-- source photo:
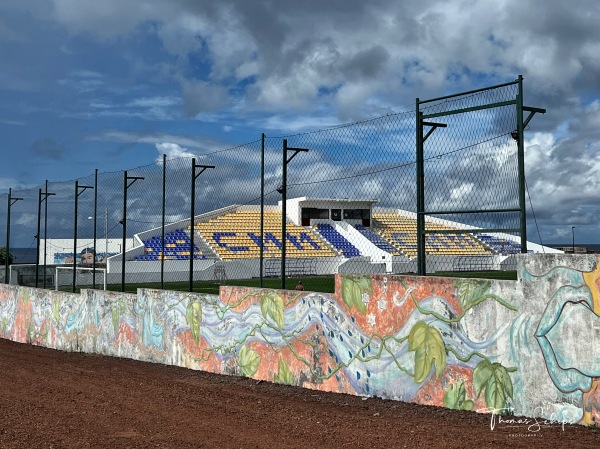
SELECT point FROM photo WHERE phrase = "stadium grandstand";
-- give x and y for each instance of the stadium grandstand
(323, 236)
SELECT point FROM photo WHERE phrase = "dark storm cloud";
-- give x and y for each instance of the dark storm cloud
(350, 59)
(48, 148)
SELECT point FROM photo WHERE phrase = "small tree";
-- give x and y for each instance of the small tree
(3, 256)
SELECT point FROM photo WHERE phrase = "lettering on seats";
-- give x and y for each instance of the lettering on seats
(304, 237)
(269, 237)
(294, 240)
(217, 236)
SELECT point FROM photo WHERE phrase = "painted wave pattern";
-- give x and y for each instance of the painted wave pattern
(373, 364)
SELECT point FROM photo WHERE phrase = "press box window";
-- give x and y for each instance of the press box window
(312, 213)
(358, 214)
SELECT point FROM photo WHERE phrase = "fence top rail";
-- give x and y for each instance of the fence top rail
(483, 89)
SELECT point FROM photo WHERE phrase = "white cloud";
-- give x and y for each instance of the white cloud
(172, 150)
(290, 67)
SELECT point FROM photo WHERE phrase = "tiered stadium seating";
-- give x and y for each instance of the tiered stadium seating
(177, 247)
(338, 241)
(377, 240)
(499, 245)
(402, 232)
(237, 236)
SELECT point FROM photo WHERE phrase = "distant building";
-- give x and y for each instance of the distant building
(578, 249)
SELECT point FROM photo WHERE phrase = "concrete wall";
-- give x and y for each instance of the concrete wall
(530, 344)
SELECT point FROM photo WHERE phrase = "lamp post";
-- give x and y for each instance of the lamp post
(127, 182)
(79, 189)
(46, 195)
(573, 233)
(11, 200)
(195, 175)
(283, 191)
(42, 198)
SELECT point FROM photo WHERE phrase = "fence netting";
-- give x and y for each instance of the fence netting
(350, 207)
(471, 167)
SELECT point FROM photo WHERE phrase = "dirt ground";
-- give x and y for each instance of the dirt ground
(53, 399)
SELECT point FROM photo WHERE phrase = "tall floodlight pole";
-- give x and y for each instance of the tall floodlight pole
(45, 199)
(195, 175)
(11, 200)
(283, 191)
(126, 185)
(573, 233)
(78, 191)
(42, 197)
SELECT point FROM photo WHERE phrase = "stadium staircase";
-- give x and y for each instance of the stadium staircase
(337, 240)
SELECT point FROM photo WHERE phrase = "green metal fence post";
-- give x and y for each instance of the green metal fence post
(37, 238)
(192, 216)
(77, 193)
(283, 212)
(521, 162)
(421, 261)
(124, 223)
(262, 210)
(192, 225)
(95, 226)
(11, 200)
(162, 226)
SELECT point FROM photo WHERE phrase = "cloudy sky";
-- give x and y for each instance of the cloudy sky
(113, 84)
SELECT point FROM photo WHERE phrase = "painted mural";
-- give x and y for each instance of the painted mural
(527, 347)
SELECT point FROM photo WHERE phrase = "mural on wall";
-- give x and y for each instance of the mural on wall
(568, 334)
(460, 343)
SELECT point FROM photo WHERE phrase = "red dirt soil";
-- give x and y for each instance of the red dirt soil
(54, 399)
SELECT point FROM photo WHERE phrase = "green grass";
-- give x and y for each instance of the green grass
(324, 284)
(498, 275)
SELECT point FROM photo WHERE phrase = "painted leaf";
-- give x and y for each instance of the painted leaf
(455, 398)
(284, 375)
(499, 388)
(481, 375)
(56, 310)
(248, 361)
(429, 349)
(271, 305)
(497, 383)
(353, 288)
(193, 317)
(116, 318)
(472, 292)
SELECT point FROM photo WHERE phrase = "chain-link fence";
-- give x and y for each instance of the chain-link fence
(432, 189)
(468, 146)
